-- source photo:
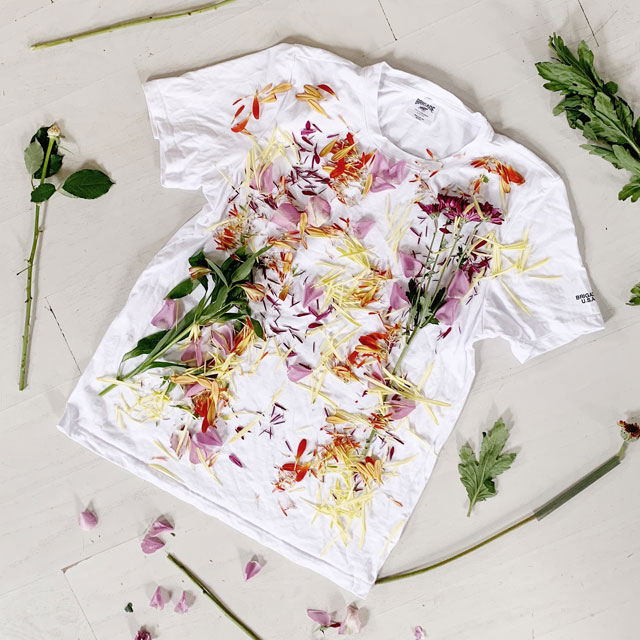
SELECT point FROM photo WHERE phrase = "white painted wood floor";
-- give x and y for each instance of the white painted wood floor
(574, 576)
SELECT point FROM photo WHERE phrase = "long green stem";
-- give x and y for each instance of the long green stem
(538, 514)
(30, 263)
(131, 23)
(212, 596)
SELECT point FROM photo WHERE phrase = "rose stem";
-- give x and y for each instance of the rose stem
(540, 513)
(30, 263)
(207, 592)
(130, 23)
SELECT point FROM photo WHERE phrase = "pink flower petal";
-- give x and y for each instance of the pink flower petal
(397, 298)
(194, 390)
(143, 634)
(297, 372)
(287, 217)
(378, 184)
(252, 569)
(351, 623)
(235, 460)
(319, 210)
(362, 227)
(224, 336)
(151, 544)
(193, 352)
(87, 520)
(400, 408)
(419, 634)
(319, 616)
(182, 606)
(158, 599)
(159, 526)
(263, 180)
(446, 314)
(167, 316)
(205, 442)
(459, 285)
(410, 266)
(311, 294)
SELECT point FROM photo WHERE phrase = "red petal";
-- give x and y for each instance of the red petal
(301, 473)
(256, 107)
(328, 89)
(240, 126)
(289, 466)
(238, 112)
(301, 448)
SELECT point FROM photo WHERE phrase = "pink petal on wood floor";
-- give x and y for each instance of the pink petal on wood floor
(321, 617)
(158, 599)
(351, 623)
(419, 634)
(182, 606)
(252, 569)
(151, 544)
(159, 526)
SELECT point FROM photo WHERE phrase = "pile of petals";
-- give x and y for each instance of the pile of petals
(161, 597)
(349, 625)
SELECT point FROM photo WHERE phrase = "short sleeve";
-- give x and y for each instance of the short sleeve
(538, 296)
(201, 119)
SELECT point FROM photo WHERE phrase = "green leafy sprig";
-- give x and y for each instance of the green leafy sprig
(223, 300)
(593, 106)
(43, 160)
(478, 475)
(635, 296)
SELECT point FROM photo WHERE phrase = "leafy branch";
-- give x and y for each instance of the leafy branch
(593, 106)
(225, 299)
(635, 296)
(43, 160)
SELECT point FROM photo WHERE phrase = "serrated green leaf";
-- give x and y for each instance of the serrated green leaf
(182, 289)
(33, 157)
(566, 78)
(478, 476)
(625, 159)
(88, 184)
(603, 152)
(630, 190)
(42, 192)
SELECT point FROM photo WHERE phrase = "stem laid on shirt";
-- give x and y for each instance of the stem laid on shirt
(212, 596)
(629, 432)
(131, 23)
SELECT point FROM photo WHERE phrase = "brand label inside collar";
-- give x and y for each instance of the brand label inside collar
(423, 110)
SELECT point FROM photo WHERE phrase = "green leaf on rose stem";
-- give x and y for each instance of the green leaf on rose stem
(88, 184)
(478, 476)
(55, 159)
(182, 289)
(42, 192)
(145, 345)
(33, 157)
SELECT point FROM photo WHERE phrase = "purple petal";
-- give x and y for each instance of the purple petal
(252, 569)
(318, 210)
(410, 266)
(224, 336)
(362, 227)
(159, 526)
(321, 617)
(398, 298)
(459, 285)
(182, 606)
(286, 217)
(143, 634)
(446, 314)
(419, 634)
(151, 544)
(297, 372)
(378, 184)
(205, 442)
(158, 599)
(311, 293)
(351, 623)
(87, 520)
(235, 460)
(167, 316)
(400, 408)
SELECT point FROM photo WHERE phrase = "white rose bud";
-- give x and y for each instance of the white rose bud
(54, 131)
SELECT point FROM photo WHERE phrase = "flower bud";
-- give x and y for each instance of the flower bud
(54, 131)
(629, 430)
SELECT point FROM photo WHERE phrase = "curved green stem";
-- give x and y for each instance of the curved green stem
(212, 596)
(131, 23)
(30, 263)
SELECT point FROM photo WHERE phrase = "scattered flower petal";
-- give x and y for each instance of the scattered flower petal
(182, 606)
(193, 390)
(252, 569)
(446, 314)
(286, 217)
(351, 623)
(319, 616)
(400, 407)
(311, 294)
(459, 285)
(362, 227)
(158, 599)
(159, 526)
(318, 210)
(398, 298)
(143, 634)
(167, 316)
(419, 634)
(151, 544)
(235, 460)
(410, 266)
(205, 442)
(387, 174)
(297, 372)
(87, 520)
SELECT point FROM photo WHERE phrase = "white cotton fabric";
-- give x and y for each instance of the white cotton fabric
(400, 115)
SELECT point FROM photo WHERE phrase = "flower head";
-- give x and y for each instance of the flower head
(629, 430)
(54, 131)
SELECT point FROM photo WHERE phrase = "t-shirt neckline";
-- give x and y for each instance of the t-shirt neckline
(375, 78)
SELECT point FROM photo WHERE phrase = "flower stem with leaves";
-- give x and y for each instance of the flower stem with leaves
(42, 160)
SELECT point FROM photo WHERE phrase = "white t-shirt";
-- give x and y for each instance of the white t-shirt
(387, 168)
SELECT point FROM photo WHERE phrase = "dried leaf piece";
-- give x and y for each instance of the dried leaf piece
(478, 476)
